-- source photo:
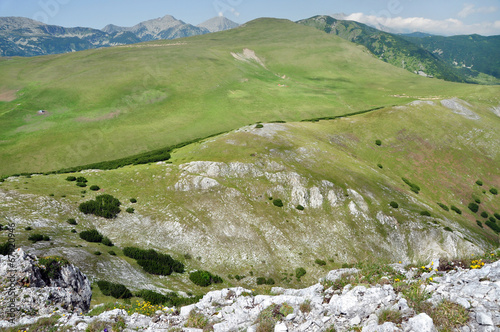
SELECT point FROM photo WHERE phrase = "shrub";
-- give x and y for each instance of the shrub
(479, 223)
(270, 281)
(473, 207)
(425, 213)
(97, 253)
(154, 262)
(457, 210)
(493, 226)
(91, 236)
(133, 200)
(413, 187)
(497, 215)
(152, 297)
(81, 179)
(71, 178)
(118, 291)
(197, 320)
(477, 200)
(299, 207)
(394, 204)
(28, 228)
(448, 229)
(305, 306)
(378, 142)
(300, 272)
(484, 214)
(204, 278)
(130, 210)
(107, 242)
(444, 207)
(81, 184)
(112, 253)
(51, 266)
(105, 206)
(492, 219)
(261, 281)
(494, 191)
(278, 202)
(71, 221)
(94, 187)
(380, 166)
(479, 182)
(38, 237)
(268, 317)
(73, 231)
(6, 249)
(320, 262)
(259, 125)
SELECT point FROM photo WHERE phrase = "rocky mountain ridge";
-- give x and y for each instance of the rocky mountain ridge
(21, 36)
(324, 306)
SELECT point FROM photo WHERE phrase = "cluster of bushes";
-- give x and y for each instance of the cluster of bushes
(154, 262)
(38, 237)
(105, 206)
(204, 278)
(493, 226)
(80, 181)
(264, 281)
(118, 291)
(413, 187)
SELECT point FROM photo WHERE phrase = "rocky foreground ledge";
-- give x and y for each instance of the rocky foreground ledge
(325, 306)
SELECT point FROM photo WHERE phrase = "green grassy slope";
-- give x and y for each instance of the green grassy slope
(110, 103)
(212, 201)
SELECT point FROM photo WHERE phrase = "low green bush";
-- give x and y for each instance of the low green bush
(261, 281)
(425, 213)
(444, 207)
(299, 207)
(81, 184)
(278, 203)
(320, 262)
(107, 242)
(73, 231)
(479, 182)
(92, 235)
(28, 228)
(378, 142)
(448, 229)
(71, 178)
(413, 187)
(473, 207)
(204, 278)
(94, 187)
(380, 166)
(51, 266)
(457, 210)
(497, 215)
(394, 204)
(154, 262)
(118, 291)
(259, 125)
(6, 248)
(494, 191)
(112, 253)
(81, 179)
(38, 237)
(133, 200)
(484, 214)
(492, 219)
(97, 253)
(493, 226)
(479, 223)
(300, 272)
(130, 210)
(71, 221)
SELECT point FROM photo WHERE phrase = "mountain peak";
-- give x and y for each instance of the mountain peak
(218, 23)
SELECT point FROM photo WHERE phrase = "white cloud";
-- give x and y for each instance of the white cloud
(449, 26)
(470, 9)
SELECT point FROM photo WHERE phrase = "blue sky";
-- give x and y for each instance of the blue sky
(446, 17)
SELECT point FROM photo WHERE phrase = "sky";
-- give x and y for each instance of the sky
(442, 17)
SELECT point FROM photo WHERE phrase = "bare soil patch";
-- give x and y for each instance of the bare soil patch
(108, 116)
(8, 95)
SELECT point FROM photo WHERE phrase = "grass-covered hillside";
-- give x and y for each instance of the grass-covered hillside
(110, 103)
(395, 184)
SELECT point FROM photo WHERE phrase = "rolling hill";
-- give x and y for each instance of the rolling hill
(75, 109)
(421, 55)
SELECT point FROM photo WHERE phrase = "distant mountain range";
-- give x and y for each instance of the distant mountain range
(21, 36)
(470, 59)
